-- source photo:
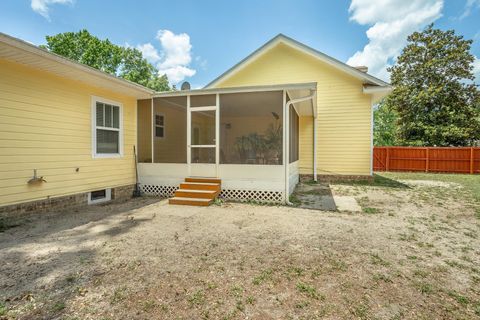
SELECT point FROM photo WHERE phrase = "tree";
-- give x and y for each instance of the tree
(127, 63)
(385, 129)
(434, 94)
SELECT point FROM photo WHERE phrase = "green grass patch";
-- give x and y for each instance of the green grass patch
(370, 210)
(460, 299)
(3, 309)
(309, 291)
(425, 288)
(197, 298)
(265, 275)
(59, 306)
(379, 180)
(377, 260)
(295, 200)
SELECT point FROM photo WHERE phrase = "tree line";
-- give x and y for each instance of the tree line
(434, 101)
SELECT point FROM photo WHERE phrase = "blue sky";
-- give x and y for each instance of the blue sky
(198, 40)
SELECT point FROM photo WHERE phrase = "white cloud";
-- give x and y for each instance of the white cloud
(469, 6)
(476, 69)
(174, 57)
(177, 55)
(149, 52)
(42, 6)
(391, 22)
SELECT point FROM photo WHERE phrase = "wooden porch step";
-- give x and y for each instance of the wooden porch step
(203, 180)
(192, 193)
(190, 201)
(200, 186)
(197, 191)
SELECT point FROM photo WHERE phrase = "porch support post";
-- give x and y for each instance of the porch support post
(286, 136)
(152, 127)
(286, 108)
(189, 137)
(217, 134)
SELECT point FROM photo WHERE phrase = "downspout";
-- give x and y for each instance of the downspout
(287, 141)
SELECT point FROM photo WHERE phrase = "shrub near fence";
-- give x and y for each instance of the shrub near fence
(427, 159)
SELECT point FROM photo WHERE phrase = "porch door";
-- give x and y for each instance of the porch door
(203, 136)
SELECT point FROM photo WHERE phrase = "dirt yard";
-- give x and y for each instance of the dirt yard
(413, 253)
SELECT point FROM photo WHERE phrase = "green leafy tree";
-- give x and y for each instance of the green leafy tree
(127, 63)
(434, 94)
(385, 125)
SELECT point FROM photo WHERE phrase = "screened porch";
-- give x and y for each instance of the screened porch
(235, 134)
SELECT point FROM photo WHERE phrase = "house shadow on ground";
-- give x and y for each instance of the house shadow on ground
(35, 260)
(319, 196)
(316, 196)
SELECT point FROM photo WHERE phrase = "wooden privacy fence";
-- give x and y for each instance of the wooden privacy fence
(427, 159)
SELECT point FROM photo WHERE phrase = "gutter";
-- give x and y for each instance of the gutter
(287, 140)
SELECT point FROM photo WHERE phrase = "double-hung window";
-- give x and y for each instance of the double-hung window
(107, 128)
(160, 126)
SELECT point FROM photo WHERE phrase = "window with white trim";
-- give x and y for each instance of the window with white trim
(107, 129)
(160, 126)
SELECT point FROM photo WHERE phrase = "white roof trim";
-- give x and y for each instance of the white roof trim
(376, 89)
(277, 87)
(304, 48)
(32, 49)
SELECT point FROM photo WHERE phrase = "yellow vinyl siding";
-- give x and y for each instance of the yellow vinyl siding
(45, 124)
(344, 112)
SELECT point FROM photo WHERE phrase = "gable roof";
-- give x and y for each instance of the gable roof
(19, 51)
(280, 38)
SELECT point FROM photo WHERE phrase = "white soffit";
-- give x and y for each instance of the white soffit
(24, 53)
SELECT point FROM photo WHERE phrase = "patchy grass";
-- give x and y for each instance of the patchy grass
(370, 210)
(295, 200)
(413, 255)
(309, 291)
(264, 276)
(379, 180)
(3, 309)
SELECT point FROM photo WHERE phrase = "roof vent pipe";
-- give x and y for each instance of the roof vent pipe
(363, 69)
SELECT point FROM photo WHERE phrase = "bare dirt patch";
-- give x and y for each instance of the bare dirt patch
(413, 255)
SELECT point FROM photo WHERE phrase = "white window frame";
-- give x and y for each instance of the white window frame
(155, 125)
(96, 155)
(108, 197)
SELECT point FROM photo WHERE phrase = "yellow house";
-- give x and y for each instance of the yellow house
(284, 111)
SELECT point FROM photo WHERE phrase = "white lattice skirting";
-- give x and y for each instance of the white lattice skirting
(252, 195)
(154, 190)
(227, 194)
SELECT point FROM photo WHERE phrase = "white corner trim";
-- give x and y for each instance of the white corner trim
(95, 155)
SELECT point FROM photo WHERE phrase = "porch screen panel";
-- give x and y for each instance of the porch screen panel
(144, 130)
(251, 128)
(203, 128)
(293, 134)
(170, 128)
(203, 100)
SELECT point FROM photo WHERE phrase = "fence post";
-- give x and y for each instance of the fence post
(427, 160)
(471, 160)
(387, 159)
